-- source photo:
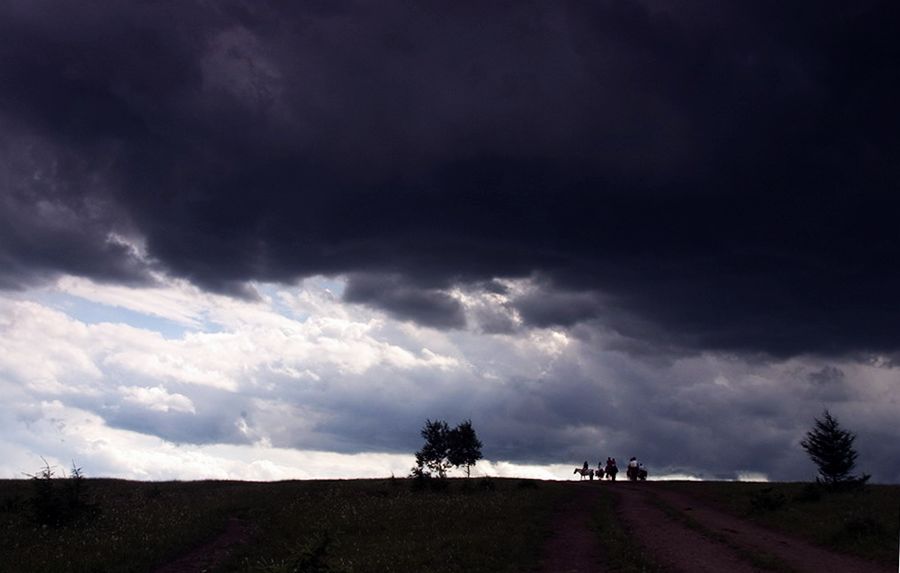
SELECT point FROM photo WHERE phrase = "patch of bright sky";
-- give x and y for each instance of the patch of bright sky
(91, 312)
(172, 310)
(333, 285)
(272, 294)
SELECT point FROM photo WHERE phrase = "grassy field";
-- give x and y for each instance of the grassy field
(388, 525)
(864, 523)
(355, 525)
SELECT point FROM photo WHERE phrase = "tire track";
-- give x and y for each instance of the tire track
(674, 545)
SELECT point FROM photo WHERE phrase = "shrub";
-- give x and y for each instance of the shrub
(811, 492)
(58, 501)
(860, 527)
(767, 499)
(487, 484)
(424, 481)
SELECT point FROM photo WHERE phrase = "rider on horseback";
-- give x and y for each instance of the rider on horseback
(632, 471)
(611, 469)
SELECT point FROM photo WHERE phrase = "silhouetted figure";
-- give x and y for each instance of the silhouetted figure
(632, 471)
(611, 469)
(585, 471)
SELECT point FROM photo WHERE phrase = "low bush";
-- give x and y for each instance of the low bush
(811, 492)
(768, 499)
(487, 484)
(56, 501)
(425, 482)
(858, 528)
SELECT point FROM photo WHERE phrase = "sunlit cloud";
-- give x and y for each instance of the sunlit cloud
(299, 383)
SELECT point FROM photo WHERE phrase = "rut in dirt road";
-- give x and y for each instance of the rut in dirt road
(658, 520)
(212, 554)
(673, 545)
(574, 547)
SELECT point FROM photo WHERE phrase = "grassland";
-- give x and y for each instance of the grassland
(388, 525)
(356, 525)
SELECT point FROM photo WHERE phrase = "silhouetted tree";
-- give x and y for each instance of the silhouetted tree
(831, 448)
(58, 500)
(433, 457)
(445, 448)
(465, 447)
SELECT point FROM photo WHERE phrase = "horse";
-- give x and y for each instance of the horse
(611, 472)
(585, 473)
(637, 473)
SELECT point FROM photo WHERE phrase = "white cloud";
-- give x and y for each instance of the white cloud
(300, 384)
(45, 350)
(288, 372)
(178, 301)
(156, 398)
(62, 434)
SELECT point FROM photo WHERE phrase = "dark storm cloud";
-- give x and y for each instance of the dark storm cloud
(827, 375)
(55, 218)
(428, 307)
(719, 176)
(549, 308)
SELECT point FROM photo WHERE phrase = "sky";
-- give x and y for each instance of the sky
(268, 240)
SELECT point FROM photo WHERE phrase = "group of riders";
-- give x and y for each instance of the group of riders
(635, 470)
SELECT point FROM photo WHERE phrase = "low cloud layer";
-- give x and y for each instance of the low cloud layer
(301, 371)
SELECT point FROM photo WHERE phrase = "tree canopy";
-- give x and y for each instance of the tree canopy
(831, 448)
(465, 447)
(445, 448)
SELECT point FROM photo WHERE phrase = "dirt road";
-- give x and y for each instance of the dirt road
(682, 534)
(689, 535)
(209, 556)
(573, 547)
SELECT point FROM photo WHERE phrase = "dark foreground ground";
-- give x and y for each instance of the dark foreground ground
(466, 525)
